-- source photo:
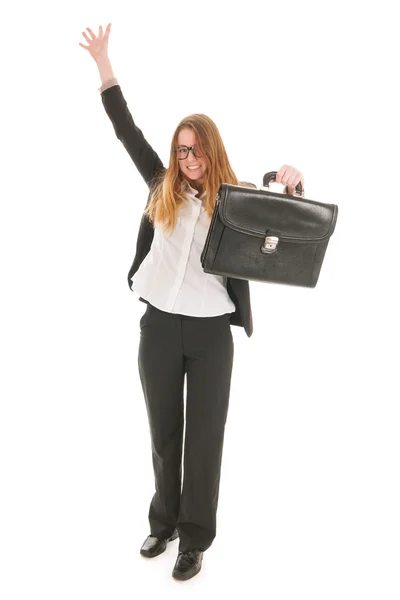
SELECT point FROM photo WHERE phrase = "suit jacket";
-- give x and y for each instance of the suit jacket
(150, 167)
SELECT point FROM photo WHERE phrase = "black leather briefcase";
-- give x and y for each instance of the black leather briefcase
(260, 235)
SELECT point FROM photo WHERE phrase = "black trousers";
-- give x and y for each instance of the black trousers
(172, 346)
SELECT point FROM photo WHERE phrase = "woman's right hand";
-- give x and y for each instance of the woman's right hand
(98, 46)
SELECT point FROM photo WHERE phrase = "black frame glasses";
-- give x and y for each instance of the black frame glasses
(196, 153)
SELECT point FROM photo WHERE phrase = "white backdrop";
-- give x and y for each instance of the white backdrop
(309, 490)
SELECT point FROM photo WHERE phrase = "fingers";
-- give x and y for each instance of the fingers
(86, 37)
(93, 37)
(91, 33)
(280, 174)
(289, 176)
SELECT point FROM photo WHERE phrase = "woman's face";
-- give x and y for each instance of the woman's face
(187, 137)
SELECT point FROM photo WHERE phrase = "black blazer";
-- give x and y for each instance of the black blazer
(150, 166)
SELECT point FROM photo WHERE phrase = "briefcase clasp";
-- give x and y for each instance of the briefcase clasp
(270, 244)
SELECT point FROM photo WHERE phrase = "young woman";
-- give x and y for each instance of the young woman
(186, 328)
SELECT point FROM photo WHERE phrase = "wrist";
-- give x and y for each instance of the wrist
(102, 59)
(105, 69)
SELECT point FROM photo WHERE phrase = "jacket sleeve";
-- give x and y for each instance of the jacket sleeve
(147, 161)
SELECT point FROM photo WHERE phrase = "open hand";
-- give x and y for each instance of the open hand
(98, 45)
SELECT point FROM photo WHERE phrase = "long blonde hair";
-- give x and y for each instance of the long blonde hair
(167, 193)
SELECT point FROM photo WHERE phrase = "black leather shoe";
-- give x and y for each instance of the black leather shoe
(188, 564)
(153, 546)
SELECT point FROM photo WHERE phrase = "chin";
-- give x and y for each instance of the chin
(195, 176)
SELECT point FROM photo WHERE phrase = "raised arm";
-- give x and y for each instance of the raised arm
(145, 158)
(147, 161)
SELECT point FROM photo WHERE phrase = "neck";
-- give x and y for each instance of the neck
(197, 185)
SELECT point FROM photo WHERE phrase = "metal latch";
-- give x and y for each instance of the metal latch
(270, 244)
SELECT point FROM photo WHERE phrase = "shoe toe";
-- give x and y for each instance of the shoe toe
(153, 546)
(188, 564)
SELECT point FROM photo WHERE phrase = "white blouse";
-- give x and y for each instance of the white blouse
(171, 277)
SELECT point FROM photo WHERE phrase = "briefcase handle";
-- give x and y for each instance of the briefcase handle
(270, 176)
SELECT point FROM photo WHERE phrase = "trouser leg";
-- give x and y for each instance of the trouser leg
(209, 350)
(161, 369)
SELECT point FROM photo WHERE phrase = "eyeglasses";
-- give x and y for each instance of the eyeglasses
(182, 152)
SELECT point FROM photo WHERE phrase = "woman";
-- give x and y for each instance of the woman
(186, 328)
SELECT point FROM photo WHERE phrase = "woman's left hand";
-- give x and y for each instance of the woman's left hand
(290, 177)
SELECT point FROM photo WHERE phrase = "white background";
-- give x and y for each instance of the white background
(309, 490)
